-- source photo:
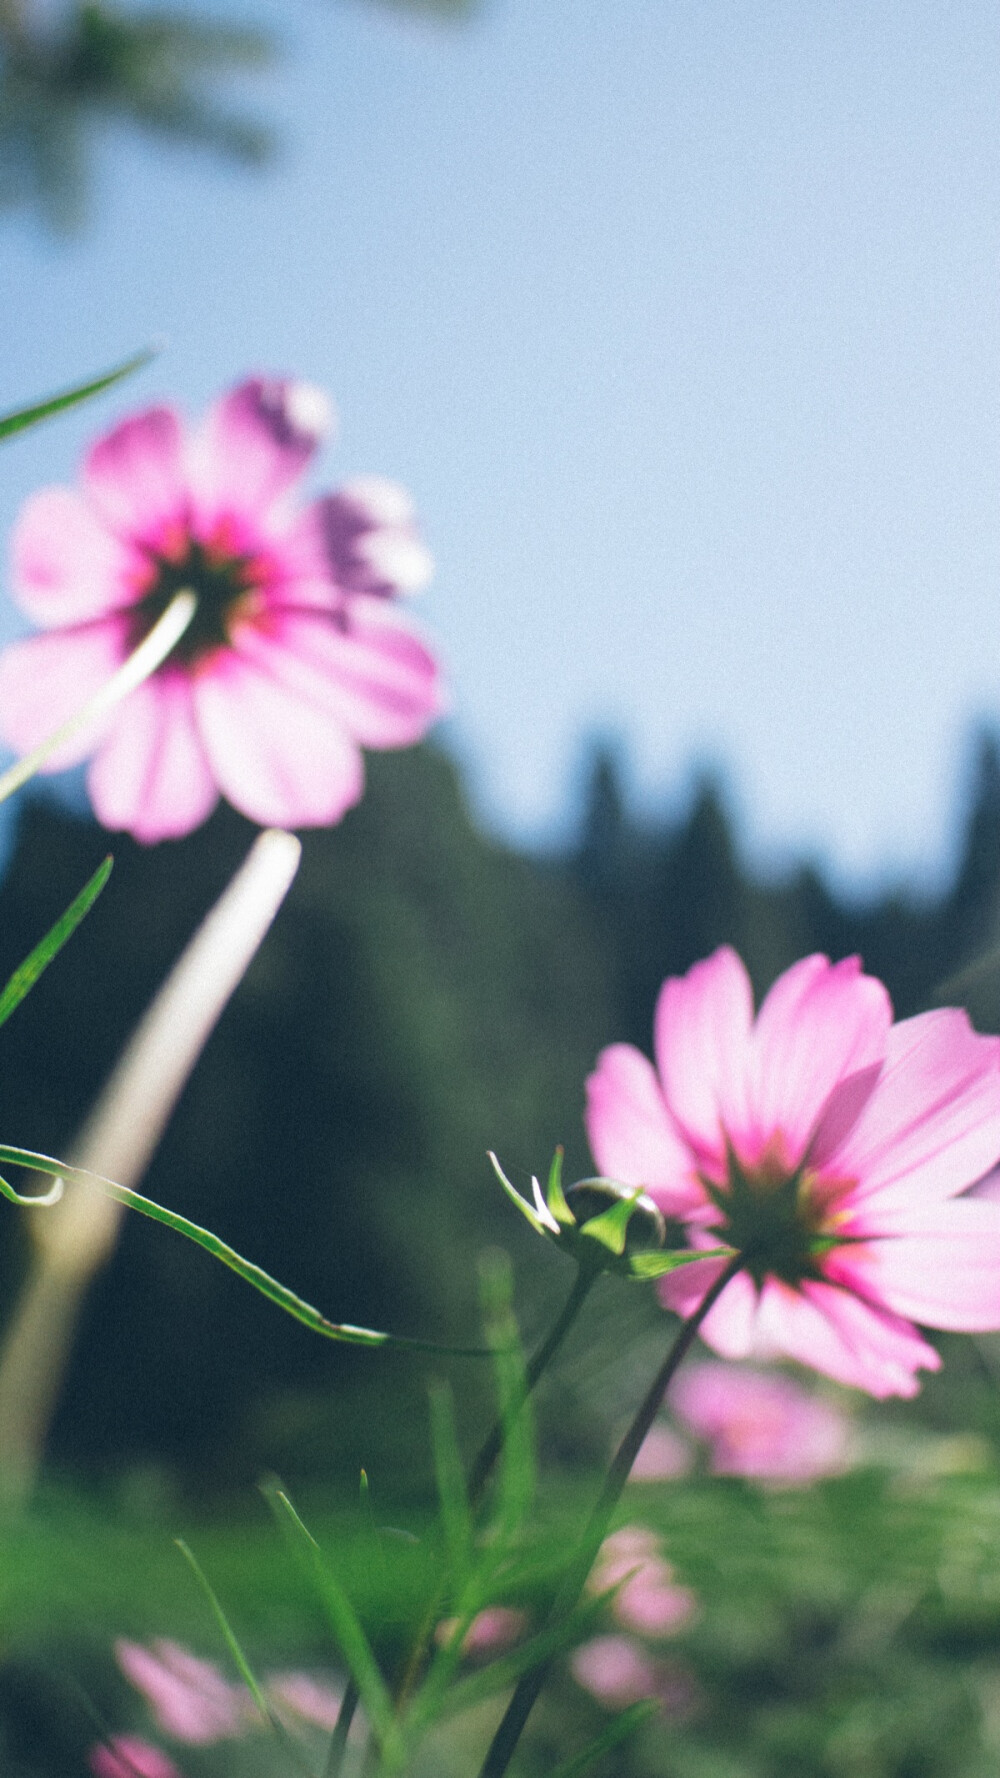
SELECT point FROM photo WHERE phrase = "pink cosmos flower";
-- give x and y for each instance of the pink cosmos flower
(648, 1599)
(297, 656)
(126, 1756)
(758, 1424)
(303, 1695)
(491, 1631)
(615, 1671)
(189, 1697)
(830, 1147)
(662, 1456)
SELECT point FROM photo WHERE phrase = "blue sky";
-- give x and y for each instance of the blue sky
(679, 317)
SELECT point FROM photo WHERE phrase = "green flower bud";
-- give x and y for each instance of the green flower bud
(606, 1226)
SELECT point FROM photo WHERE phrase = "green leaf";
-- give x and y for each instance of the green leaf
(611, 1226)
(617, 1732)
(245, 1670)
(354, 1644)
(456, 1514)
(24, 417)
(555, 1196)
(27, 973)
(515, 1197)
(244, 1268)
(516, 1480)
(656, 1265)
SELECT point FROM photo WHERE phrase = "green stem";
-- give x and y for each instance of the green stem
(150, 654)
(338, 1746)
(508, 1734)
(220, 1250)
(484, 1463)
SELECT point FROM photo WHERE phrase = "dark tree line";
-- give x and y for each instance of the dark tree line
(426, 993)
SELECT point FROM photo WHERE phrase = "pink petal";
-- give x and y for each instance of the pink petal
(126, 1756)
(836, 1333)
(46, 679)
(939, 1266)
(630, 1132)
(819, 1023)
(151, 776)
(702, 1031)
(67, 565)
(729, 1325)
(662, 1456)
(370, 538)
(932, 1125)
(255, 442)
(134, 476)
(277, 757)
(370, 671)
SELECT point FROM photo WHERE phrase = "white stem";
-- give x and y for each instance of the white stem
(150, 654)
(74, 1239)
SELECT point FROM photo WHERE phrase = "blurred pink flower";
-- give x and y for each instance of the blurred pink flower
(828, 1145)
(615, 1671)
(297, 656)
(759, 1424)
(491, 1631)
(662, 1456)
(648, 1599)
(127, 1757)
(189, 1697)
(303, 1695)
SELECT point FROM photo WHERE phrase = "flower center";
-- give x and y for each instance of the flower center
(220, 582)
(779, 1221)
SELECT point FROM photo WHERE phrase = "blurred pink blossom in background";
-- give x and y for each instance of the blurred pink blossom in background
(615, 1670)
(662, 1456)
(831, 1147)
(189, 1697)
(297, 656)
(760, 1424)
(305, 1696)
(491, 1631)
(648, 1599)
(127, 1757)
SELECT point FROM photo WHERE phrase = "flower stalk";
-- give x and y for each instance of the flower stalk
(140, 665)
(526, 1692)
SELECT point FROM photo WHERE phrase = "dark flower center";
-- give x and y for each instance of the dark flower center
(220, 584)
(779, 1221)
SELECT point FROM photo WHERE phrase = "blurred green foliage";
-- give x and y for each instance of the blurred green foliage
(851, 1630)
(66, 74)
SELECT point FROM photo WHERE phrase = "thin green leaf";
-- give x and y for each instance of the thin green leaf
(456, 1514)
(243, 1665)
(656, 1265)
(24, 417)
(220, 1250)
(611, 1226)
(516, 1481)
(354, 1644)
(555, 1196)
(27, 973)
(616, 1732)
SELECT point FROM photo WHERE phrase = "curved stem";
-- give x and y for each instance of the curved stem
(150, 654)
(244, 1268)
(526, 1692)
